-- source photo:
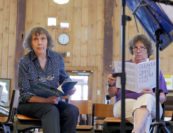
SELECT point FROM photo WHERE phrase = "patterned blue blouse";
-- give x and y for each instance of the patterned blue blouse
(30, 72)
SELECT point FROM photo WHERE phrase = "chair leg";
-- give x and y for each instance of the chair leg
(14, 128)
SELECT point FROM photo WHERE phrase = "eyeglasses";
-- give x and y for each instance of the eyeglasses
(139, 48)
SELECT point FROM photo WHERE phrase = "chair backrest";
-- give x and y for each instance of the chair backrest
(168, 107)
(84, 106)
(102, 110)
(168, 103)
(13, 105)
(1, 88)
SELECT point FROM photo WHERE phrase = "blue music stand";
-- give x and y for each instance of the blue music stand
(160, 29)
(152, 17)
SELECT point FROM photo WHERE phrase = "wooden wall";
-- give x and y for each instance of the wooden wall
(8, 9)
(86, 18)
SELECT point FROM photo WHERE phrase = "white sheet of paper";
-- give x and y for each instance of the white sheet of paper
(138, 76)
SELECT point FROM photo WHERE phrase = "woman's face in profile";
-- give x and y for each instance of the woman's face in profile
(39, 44)
(140, 52)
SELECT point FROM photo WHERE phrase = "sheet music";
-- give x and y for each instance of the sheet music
(138, 76)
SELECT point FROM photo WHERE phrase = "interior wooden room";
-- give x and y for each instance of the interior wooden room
(87, 33)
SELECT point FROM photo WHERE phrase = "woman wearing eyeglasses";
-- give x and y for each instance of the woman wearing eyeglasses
(140, 107)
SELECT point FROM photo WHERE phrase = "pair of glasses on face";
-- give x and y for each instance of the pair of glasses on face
(139, 48)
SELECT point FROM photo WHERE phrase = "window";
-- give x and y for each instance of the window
(81, 88)
(4, 91)
(169, 81)
(51, 21)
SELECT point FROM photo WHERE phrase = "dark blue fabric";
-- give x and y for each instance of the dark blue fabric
(57, 118)
(30, 72)
(153, 18)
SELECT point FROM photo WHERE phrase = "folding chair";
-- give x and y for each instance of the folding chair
(104, 121)
(85, 108)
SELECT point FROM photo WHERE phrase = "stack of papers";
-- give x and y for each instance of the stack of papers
(138, 76)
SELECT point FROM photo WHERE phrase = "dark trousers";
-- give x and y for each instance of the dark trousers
(60, 118)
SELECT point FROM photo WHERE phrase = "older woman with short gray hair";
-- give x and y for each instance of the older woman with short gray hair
(140, 106)
(44, 66)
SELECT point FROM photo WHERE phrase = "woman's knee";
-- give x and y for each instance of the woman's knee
(50, 110)
(72, 110)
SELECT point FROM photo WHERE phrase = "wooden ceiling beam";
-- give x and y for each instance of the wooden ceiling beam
(108, 36)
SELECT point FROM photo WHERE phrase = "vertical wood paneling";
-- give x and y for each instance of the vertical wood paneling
(12, 40)
(84, 37)
(38, 13)
(8, 13)
(5, 42)
(166, 60)
(1, 33)
(91, 44)
(116, 31)
(92, 33)
(77, 32)
(29, 12)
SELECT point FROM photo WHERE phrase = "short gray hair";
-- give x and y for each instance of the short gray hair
(34, 31)
(142, 38)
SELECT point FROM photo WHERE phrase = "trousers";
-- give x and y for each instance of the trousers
(55, 118)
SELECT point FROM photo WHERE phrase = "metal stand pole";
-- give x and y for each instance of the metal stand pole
(124, 18)
(123, 77)
(158, 126)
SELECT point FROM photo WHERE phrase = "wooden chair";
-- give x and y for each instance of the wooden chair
(100, 112)
(85, 108)
(168, 113)
(168, 106)
(23, 123)
(103, 119)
